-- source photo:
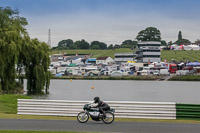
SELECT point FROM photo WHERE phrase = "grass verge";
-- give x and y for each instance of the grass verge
(14, 131)
(41, 117)
(15, 116)
(186, 78)
(8, 103)
(109, 78)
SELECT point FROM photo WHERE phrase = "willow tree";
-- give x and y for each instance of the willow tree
(35, 59)
(17, 49)
(12, 32)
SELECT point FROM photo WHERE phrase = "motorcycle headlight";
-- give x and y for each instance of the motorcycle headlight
(86, 107)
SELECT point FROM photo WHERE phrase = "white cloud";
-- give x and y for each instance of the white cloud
(109, 28)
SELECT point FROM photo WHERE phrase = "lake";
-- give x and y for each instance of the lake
(125, 90)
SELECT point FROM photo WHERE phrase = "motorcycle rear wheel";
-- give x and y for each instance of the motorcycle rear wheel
(82, 117)
(109, 118)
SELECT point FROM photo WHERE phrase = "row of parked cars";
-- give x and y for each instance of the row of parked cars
(186, 72)
(153, 71)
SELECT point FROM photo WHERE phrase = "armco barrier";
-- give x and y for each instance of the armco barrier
(123, 109)
(188, 111)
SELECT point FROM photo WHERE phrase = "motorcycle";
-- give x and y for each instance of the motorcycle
(95, 114)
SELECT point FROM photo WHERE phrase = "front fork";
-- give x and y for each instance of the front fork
(86, 112)
(83, 116)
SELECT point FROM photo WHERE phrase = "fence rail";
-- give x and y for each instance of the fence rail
(188, 111)
(123, 109)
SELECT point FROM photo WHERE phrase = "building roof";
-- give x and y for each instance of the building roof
(91, 59)
(102, 58)
(149, 42)
(186, 43)
(121, 54)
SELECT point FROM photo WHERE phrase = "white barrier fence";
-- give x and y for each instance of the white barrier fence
(123, 109)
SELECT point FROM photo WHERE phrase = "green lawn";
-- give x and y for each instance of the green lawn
(186, 78)
(168, 55)
(8, 103)
(180, 55)
(13, 131)
(95, 53)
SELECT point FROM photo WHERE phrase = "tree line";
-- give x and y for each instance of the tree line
(18, 52)
(148, 34)
(83, 44)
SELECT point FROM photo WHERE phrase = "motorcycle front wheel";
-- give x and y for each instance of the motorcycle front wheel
(82, 117)
(108, 118)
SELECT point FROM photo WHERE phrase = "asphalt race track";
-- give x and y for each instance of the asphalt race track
(92, 126)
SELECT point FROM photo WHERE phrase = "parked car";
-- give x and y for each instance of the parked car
(116, 74)
(156, 72)
(182, 72)
(164, 72)
(192, 71)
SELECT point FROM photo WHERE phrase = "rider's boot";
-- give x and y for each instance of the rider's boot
(104, 114)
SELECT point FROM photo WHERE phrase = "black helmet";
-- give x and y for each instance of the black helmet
(96, 99)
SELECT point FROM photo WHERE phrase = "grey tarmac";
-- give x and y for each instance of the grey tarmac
(92, 126)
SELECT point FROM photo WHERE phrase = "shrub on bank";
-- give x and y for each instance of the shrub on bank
(16, 89)
(109, 77)
(186, 78)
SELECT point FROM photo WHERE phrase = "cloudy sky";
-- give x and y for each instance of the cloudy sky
(109, 21)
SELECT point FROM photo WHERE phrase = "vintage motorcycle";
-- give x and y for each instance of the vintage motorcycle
(94, 113)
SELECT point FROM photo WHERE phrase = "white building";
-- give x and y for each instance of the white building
(148, 51)
(104, 60)
(123, 57)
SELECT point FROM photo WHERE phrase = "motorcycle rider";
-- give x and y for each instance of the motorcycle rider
(101, 105)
